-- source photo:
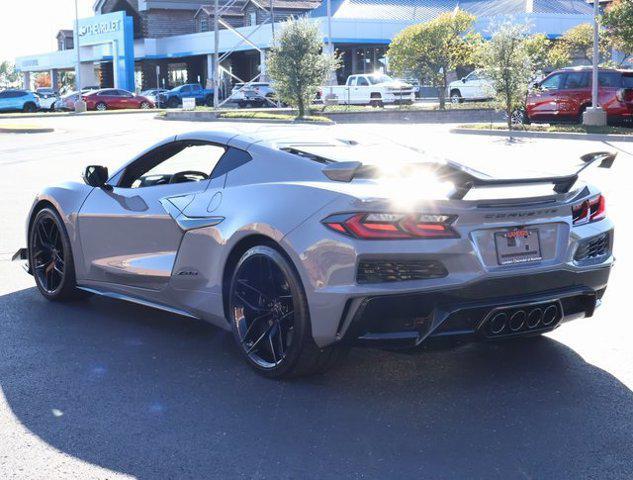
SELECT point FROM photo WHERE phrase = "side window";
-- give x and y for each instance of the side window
(472, 77)
(195, 88)
(177, 162)
(185, 89)
(4, 94)
(553, 82)
(362, 82)
(609, 79)
(232, 159)
(575, 80)
(105, 93)
(627, 81)
(351, 82)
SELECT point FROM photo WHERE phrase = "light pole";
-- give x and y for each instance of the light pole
(78, 69)
(595, 116)
(80, 105)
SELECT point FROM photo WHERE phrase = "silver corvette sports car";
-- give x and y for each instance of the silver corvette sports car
(303, 243)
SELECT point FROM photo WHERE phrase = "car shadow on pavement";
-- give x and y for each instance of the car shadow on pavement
(157, 396)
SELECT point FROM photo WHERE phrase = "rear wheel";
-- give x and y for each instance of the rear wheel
(376, 101)
(270, 320)
(29, 107)
(50, 257)
(173, 103)
(102, 107)
(209, 101)
(145, 106)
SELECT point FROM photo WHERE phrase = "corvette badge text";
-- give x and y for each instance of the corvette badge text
(100, 28)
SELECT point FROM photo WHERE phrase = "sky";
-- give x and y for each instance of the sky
(29, 27)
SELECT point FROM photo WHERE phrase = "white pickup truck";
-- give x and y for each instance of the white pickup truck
(371, 89)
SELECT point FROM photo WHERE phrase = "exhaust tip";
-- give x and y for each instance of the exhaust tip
(517, 320)
(498, 323)
(550, 315)
(535, 318)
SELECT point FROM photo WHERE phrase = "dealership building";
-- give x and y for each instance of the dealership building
(141, 44)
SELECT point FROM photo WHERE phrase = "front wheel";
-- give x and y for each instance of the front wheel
(29, 107)
(456, 97)
(50, 257)
(269, 315)
(101, 107)
(173, 103)
(209, 101)
(145, 106)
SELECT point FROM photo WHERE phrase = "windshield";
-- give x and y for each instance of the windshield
(375, 79)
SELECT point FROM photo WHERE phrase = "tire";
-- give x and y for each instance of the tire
(208, 101)
(173, 103)
(101, 107)
(269, 316)
(51, 259)
(145, 106)
(456, 96)
(376, 101)
(29, 107)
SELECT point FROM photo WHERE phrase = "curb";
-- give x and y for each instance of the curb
(212, 117)
(594, 137)
(421, 116)
(14, 116)
(17, 129)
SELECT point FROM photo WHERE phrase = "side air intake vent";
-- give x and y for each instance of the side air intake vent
(593, 248)
(379, 271)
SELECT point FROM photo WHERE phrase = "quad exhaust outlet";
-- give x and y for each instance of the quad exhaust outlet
(509, 321)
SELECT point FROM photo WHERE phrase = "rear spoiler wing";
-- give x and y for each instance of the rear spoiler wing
(466, 179)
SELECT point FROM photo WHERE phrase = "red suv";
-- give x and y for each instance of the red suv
(565, 94)
(115, 99)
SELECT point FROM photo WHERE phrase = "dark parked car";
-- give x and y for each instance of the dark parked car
(173, 98)
(115, 99)
(565, 94)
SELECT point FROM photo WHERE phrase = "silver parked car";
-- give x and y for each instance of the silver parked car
(303, 243)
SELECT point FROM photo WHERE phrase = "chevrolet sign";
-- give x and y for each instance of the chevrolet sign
(100, 28)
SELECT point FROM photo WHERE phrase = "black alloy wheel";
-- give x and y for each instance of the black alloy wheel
(269, 316)
(50, 257)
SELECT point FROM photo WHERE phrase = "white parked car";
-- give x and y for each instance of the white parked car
(374, 89)
(474, 86)
(153, 93)
(47, 98)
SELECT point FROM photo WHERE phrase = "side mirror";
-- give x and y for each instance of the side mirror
(536, 85)
(95, 176)
(463, 79)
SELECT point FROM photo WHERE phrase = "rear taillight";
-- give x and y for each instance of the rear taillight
(625, 95)
(392, 226)
(590, 210)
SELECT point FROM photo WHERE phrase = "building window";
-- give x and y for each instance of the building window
(252, 18)
(204, 24)
(177, 74)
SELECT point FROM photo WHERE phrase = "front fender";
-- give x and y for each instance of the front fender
(67, 198)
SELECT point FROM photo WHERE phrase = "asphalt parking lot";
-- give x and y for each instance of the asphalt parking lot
(100, 389)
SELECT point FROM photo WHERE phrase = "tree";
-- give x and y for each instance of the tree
(43, 80)
(429, 51)
(618, 20)
(578, 42)
(544, 54)
(506, 61)
(9, 77)
(297, 64)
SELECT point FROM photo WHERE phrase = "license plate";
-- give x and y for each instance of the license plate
(521, 245)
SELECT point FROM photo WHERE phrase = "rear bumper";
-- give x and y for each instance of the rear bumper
(462, 312)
